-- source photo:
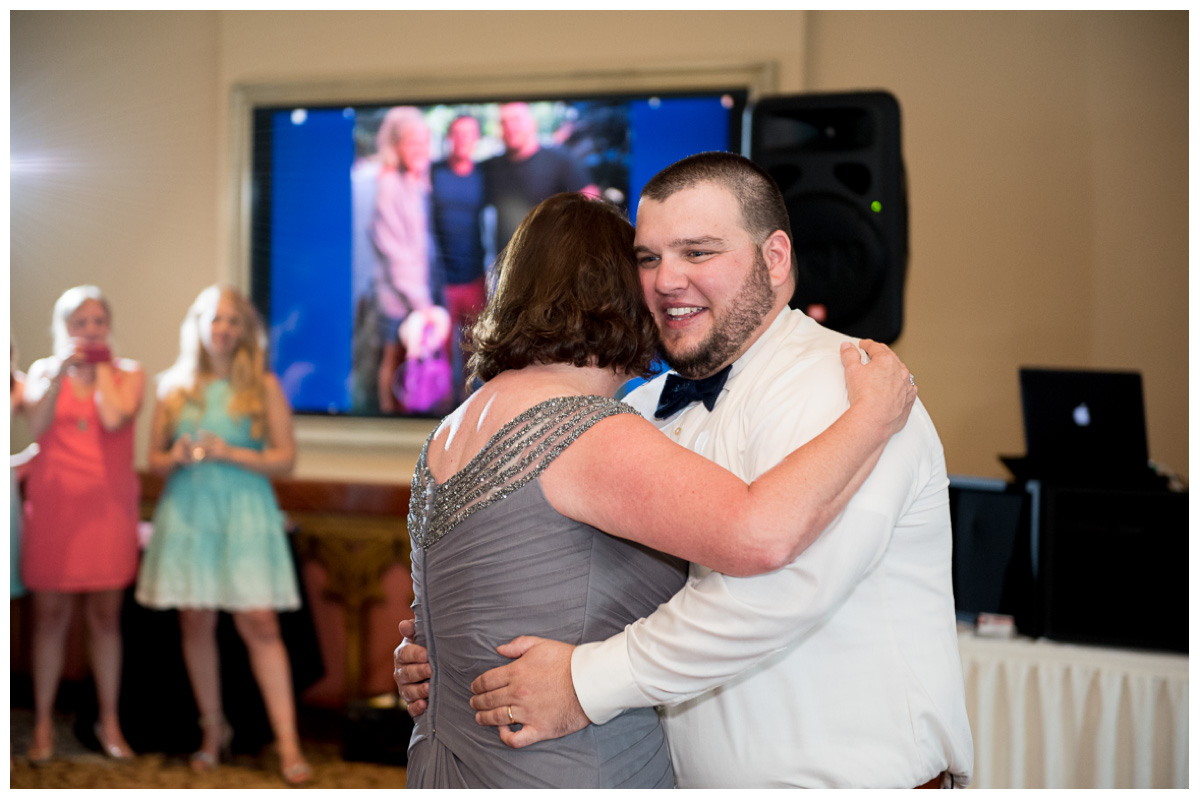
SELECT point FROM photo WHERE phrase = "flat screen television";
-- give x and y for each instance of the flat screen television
(316, 262)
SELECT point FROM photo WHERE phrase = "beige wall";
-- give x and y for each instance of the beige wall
(114, 144)
(1047, 164)
(1046, 155)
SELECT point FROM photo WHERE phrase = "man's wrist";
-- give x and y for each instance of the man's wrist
(603, 679)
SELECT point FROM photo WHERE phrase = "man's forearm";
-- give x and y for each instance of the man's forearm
(719, 626)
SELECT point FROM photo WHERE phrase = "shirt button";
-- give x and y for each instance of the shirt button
(678, 430)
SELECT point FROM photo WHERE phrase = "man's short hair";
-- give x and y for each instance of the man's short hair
(761, 202)
(567, 292)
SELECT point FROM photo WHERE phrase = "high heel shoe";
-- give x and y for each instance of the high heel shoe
(114, 751)
(40, 756)
(296, 774)
(204, 761)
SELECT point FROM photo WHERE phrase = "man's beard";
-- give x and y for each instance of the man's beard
(747, 311)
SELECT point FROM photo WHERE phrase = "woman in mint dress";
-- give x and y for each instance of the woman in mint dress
(221, 428)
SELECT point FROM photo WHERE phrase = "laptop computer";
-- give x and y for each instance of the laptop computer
(1083, 427)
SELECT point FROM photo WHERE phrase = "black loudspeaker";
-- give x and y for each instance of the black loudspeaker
(837, 160)
(1113, 566)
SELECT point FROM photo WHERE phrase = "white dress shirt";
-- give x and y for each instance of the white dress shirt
(839, 670)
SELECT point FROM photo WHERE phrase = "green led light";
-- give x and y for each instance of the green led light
(876, 206)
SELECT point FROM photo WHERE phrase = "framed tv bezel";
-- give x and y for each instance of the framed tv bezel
(757, 78)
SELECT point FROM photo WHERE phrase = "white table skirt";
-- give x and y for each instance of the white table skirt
(1052, 715)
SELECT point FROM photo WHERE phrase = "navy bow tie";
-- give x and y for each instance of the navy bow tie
(681, 392)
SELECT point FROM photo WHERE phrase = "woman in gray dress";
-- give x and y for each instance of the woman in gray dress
(504, 541)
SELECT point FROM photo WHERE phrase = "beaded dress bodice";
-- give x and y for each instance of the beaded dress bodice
(517, 453)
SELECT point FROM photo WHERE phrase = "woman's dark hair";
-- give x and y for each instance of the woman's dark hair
(566, 292)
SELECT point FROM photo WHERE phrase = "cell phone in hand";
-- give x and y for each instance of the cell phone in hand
(97, 353)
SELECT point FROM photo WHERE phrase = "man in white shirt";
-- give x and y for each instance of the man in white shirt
(840, 670)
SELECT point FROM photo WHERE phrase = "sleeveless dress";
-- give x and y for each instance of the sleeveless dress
(219, 538)
(492, 560)
(81, 502)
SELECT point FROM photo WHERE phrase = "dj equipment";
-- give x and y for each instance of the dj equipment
(837, 160)
(1093, 565)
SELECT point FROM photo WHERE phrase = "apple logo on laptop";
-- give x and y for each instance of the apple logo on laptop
(1083, 417)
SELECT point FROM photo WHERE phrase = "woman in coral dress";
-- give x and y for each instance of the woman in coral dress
(81, 507)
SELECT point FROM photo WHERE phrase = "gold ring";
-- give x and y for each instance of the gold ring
(510, 718)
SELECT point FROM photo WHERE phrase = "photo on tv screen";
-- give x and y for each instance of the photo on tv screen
(374, 228)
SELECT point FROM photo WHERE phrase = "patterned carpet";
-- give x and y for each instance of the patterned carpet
(78, 766)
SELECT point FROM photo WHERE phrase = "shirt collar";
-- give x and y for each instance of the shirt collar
(774, 329)
(760, 343)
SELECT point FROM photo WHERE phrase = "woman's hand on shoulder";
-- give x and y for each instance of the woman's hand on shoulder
(882, 386)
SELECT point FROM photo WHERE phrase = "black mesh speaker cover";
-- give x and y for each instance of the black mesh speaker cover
(837, 160)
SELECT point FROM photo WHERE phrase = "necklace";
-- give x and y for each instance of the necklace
(81, 423)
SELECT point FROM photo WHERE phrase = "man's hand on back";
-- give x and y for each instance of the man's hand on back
(411, 670)
(535, 691)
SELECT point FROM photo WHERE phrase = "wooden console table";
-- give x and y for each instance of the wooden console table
(354, 531)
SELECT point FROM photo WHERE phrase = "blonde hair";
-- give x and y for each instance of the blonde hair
(66, 305)
(397, 122)
(186, 380)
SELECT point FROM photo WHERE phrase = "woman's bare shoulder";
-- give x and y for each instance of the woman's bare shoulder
(128, 366)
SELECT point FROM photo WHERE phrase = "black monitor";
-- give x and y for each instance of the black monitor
(313, 181)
